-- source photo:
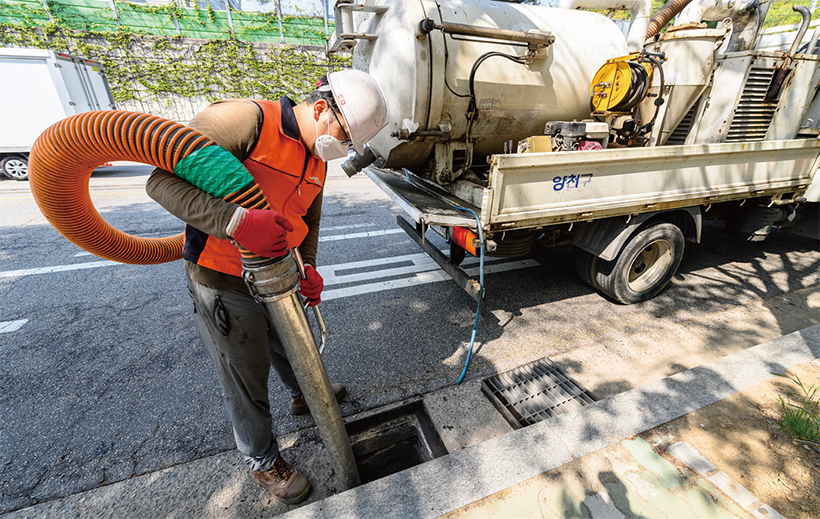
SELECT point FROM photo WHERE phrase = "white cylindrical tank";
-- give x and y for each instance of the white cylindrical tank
(426, 76)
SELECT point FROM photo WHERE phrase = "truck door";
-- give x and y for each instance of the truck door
(82, 98)
(98, 84)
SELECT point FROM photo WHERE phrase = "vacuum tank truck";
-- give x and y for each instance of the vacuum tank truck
(552, 124)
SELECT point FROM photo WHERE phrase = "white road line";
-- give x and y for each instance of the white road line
(351, 236)
(351, 226)
(329, 272)
(329, 269)
(423, 269)
(421, 263)
(419, 279)
(94, 264)
(422, 278)
(12, 326)
(57, 268)
(384, 273)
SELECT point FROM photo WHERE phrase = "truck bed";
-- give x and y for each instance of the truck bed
(531, 190)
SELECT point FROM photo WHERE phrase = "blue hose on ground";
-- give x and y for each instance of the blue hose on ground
(480, 266)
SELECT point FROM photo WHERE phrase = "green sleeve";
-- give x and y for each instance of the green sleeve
(234, 125)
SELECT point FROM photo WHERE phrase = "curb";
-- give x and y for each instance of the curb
(690, 457)
(458, 479)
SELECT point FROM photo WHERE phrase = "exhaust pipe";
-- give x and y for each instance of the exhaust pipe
(783, 71)
(274, 283)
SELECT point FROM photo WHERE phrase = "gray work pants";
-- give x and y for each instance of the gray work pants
(242, 344)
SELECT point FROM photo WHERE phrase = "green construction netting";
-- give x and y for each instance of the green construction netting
(163, 20)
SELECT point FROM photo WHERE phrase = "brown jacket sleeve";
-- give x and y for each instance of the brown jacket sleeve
(233, 124)
(310, 244)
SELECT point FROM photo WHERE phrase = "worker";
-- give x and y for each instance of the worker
(285, 146)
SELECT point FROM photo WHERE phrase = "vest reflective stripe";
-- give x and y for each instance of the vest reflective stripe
(278, 166)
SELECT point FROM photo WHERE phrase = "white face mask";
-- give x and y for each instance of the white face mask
(328, 147)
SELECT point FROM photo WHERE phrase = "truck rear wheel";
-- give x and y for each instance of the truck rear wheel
(15, 167)
(585, 266)
(643, 268)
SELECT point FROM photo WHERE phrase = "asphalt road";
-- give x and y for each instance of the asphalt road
(103, 377)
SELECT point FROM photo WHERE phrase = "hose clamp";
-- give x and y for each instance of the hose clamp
(247, 277)
(271, 279)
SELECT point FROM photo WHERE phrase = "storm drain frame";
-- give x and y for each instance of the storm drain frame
(534, 392)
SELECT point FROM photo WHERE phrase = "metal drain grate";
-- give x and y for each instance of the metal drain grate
(536, 391)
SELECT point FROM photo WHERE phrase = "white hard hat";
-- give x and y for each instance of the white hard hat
(362, 103)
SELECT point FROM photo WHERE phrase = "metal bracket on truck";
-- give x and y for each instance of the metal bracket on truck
(427, 210)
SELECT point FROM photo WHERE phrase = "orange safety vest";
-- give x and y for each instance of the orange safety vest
(287, 173)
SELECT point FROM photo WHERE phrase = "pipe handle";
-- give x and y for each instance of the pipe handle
(316, 312)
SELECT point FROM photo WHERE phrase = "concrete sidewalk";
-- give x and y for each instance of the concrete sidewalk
(626, 479)
(461, 478)
(534, 471)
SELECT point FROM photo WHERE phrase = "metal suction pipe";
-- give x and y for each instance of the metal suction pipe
(274, 284)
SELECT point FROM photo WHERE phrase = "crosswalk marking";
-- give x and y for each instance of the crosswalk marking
(362, 277)
(367, 234)
(420, 261)
(95, 264)
(329, 269)
(422, 278)
(351, 226)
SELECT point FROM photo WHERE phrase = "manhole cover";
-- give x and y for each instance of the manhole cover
(534, 392)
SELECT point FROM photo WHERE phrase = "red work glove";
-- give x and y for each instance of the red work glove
(311, 287)
(263, 232)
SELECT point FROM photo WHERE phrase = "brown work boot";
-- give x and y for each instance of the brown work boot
(299, 406)
(287, 484)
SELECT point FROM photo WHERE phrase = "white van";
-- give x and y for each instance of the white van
(37, 89)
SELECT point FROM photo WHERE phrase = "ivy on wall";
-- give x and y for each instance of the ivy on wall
(139, 65)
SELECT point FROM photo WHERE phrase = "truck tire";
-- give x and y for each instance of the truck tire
(644, 266)
(585, 266)
(15, 167)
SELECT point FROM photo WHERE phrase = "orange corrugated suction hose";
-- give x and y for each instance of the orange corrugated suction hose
(64, 156)
(669, 10)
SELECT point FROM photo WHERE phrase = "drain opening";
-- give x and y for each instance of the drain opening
(392, 441)
(534, 392)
